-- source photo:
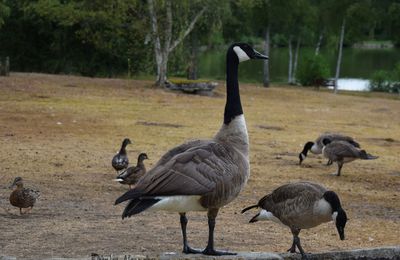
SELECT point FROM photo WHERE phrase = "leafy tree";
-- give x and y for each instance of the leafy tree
(4, 12)
(394, 22)
(314, 71)
(163, 35)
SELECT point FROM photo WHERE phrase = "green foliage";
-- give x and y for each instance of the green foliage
(314, 69)
(380, 81)
(97, 37)
(386, 81)
(394, 22)
(4, 12)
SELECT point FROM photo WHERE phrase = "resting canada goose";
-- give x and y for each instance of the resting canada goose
(22, 197)
(301, 205)
(120, 161)
(316, 147)
(342, 152)
(132, 174)
(201, 175)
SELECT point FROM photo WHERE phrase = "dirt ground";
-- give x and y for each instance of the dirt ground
(60, 132)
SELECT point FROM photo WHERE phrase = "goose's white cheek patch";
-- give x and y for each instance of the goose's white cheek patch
(242, 56)
(334, 216)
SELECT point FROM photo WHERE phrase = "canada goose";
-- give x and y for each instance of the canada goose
(201, 175)
(132, 174)
(342, 152)
(316, 147)
(301, 205)
(120, 161)
(22, 197)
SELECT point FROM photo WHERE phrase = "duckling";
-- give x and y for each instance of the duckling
(132, 174)
(343, 152)
(120, 161)
(301, 205)
(316, 147)
(22, 197)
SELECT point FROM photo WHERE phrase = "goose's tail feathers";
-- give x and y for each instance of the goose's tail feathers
(367, 156)
(248, 208)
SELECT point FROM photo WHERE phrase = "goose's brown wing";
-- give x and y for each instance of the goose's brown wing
(194, 168)
(338, 150)
(290, 200)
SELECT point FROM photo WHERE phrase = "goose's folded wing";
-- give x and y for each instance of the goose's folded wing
(291, 208)
(194, 169)
(344, 150)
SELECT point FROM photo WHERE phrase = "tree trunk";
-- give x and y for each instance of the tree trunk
(296, 56)
(290, 61)
(162, 52)
(321, 37)
(339, 59)
(194, 49)
(266, 79)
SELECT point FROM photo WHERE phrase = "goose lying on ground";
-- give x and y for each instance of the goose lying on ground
(120, 161)
(342, 152)
(132, 174)
(201, 175)
(301, 205)
(22, 197)
(316, 147)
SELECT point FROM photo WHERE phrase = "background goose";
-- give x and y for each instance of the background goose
(120, 161)
(316, 147)
(301, 205)
(22, 197)
(342, 152)
(131, 175)
(201, 175)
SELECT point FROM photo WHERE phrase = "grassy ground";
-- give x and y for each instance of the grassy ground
(60, 132)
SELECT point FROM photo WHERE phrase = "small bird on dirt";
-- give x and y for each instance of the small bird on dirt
(301, 205)
(316, 147)
(132, 174)
(22, 197)
(120, 161)
(342, 152)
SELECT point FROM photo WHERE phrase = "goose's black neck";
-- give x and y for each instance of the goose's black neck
(333, 199)
(307, 147)
(233, 106)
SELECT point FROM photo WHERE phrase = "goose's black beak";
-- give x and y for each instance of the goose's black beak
(341, 232)
(258, 55)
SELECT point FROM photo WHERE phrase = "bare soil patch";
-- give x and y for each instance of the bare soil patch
(60, 132)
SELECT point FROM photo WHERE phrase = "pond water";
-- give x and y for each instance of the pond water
(357, 65)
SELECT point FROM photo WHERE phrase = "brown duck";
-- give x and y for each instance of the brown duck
(22, 197)
(131, 175)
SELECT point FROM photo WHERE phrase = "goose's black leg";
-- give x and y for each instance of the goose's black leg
(295, 233)
(340, 165)
(329, 163)
(296, 241)
(292, 249)
(186, 248)
(209, 250)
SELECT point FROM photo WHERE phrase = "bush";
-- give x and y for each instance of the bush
(380, 81)
(386, 81)
(313, 70)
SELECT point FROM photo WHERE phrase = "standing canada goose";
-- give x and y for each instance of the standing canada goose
(316, 147)
(301, 205)
(22, 197)
(201, 175)
(132, 174)
(342, 152)
(120, 161)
